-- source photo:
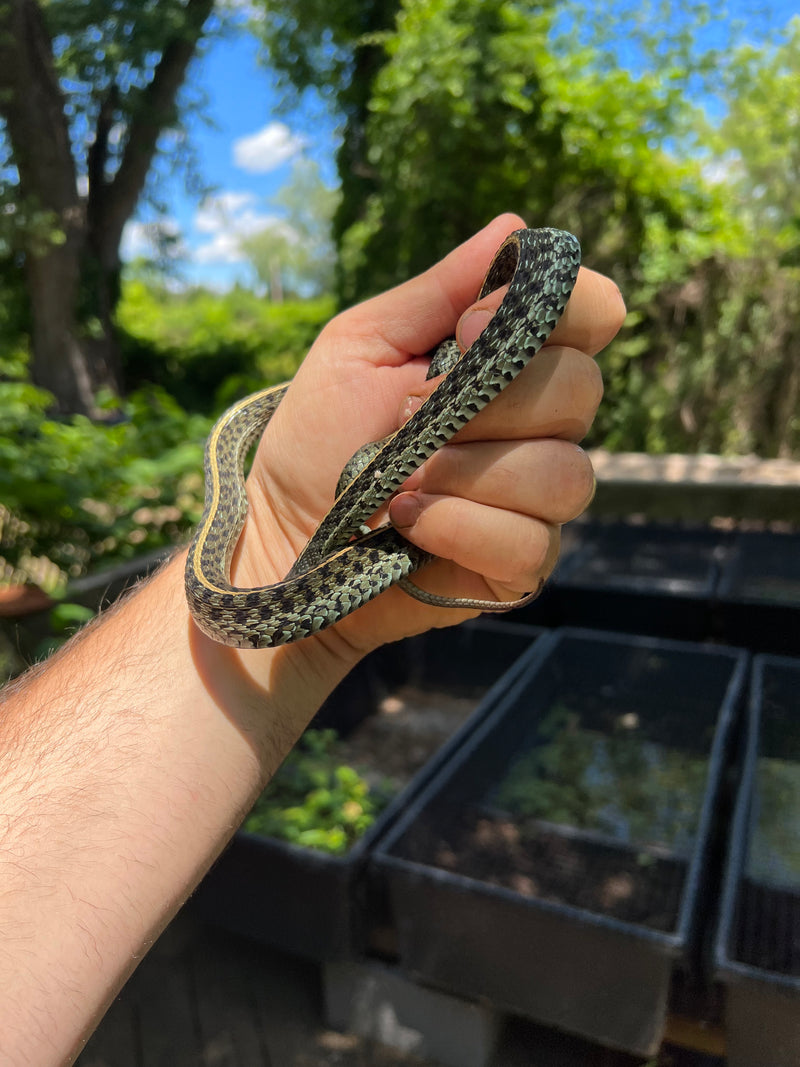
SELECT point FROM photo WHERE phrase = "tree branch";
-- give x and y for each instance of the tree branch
(97, 156)
(32, 104)
(156, 109)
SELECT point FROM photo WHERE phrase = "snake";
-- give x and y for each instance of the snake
(346, 563)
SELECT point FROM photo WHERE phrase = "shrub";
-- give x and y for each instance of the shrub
(208, 349)
(75, 491)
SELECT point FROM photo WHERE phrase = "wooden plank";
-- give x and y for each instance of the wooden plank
(163, 989)
(115, 1042)
(697, 488)
(230, 1029)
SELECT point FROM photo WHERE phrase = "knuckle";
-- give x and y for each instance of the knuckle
(582, 478)
(576, 482)
(586, 384)
(518, 568)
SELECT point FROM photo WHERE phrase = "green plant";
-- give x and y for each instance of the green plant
(208, 349)
(619, 783)
(75, 492)
(65, 620)
(314, 800)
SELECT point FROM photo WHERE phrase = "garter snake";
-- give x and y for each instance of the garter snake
(344, 565)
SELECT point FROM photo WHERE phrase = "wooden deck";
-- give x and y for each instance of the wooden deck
(203, 998)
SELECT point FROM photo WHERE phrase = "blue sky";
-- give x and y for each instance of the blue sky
(245, 148)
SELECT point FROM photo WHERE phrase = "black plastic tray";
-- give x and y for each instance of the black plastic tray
(648, 579)
(575, 913)
(544, 610)
(758, 602)
(309, 902)
(758, 940)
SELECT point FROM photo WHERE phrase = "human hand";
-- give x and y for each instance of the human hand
(490, 503)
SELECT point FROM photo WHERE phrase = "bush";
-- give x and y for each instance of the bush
(208, 349)
(75, 491)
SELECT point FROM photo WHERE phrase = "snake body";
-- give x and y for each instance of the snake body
(343, 567)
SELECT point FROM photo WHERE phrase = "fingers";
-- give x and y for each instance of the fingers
(415, 316)
(549, 479)
(504, 547)
(592, 317)
(557, 395)
(511, 559)
(493, 509)
(490, 504)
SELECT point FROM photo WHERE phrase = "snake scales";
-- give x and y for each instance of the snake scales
(342, 566)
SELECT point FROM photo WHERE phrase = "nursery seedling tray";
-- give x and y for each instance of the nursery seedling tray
(553, 864)
(307, 901)
(758, 603)
(652, 579)
(758, 942)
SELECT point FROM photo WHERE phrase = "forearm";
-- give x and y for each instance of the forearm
(125, 765)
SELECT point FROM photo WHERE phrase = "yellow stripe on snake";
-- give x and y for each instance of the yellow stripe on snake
(342, 566)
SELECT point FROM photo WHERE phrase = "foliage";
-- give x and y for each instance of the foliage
(88, 92)
(774, 853)
(708, 362)
(336, 49)
(208, 349)
(295, 256)
(507, 109)
(65, 620)
(314, 801)
(587, 117)
(512, 109)
(76, 491)
(619, 784)
(105, 57)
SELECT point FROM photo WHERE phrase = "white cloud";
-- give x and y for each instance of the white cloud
(266, 149)
(222, 248)
(220, 210)
(227, 218)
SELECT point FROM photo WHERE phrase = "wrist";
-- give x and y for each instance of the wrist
(271, 694)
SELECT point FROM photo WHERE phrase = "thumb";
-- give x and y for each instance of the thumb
(477, 317)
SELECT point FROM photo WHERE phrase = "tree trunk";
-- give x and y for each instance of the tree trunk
(74, 353)
(33, 108)
(72, 275)
(58, 360)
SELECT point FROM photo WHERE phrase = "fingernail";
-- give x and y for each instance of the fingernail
(594, 491)
(404, 510)
(472, 323)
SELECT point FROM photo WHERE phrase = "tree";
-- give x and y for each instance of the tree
(336, 49)
(87, 88)
(709, 361)
(509, 111)
(295, 255)
(453, 109)
(751, 296)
